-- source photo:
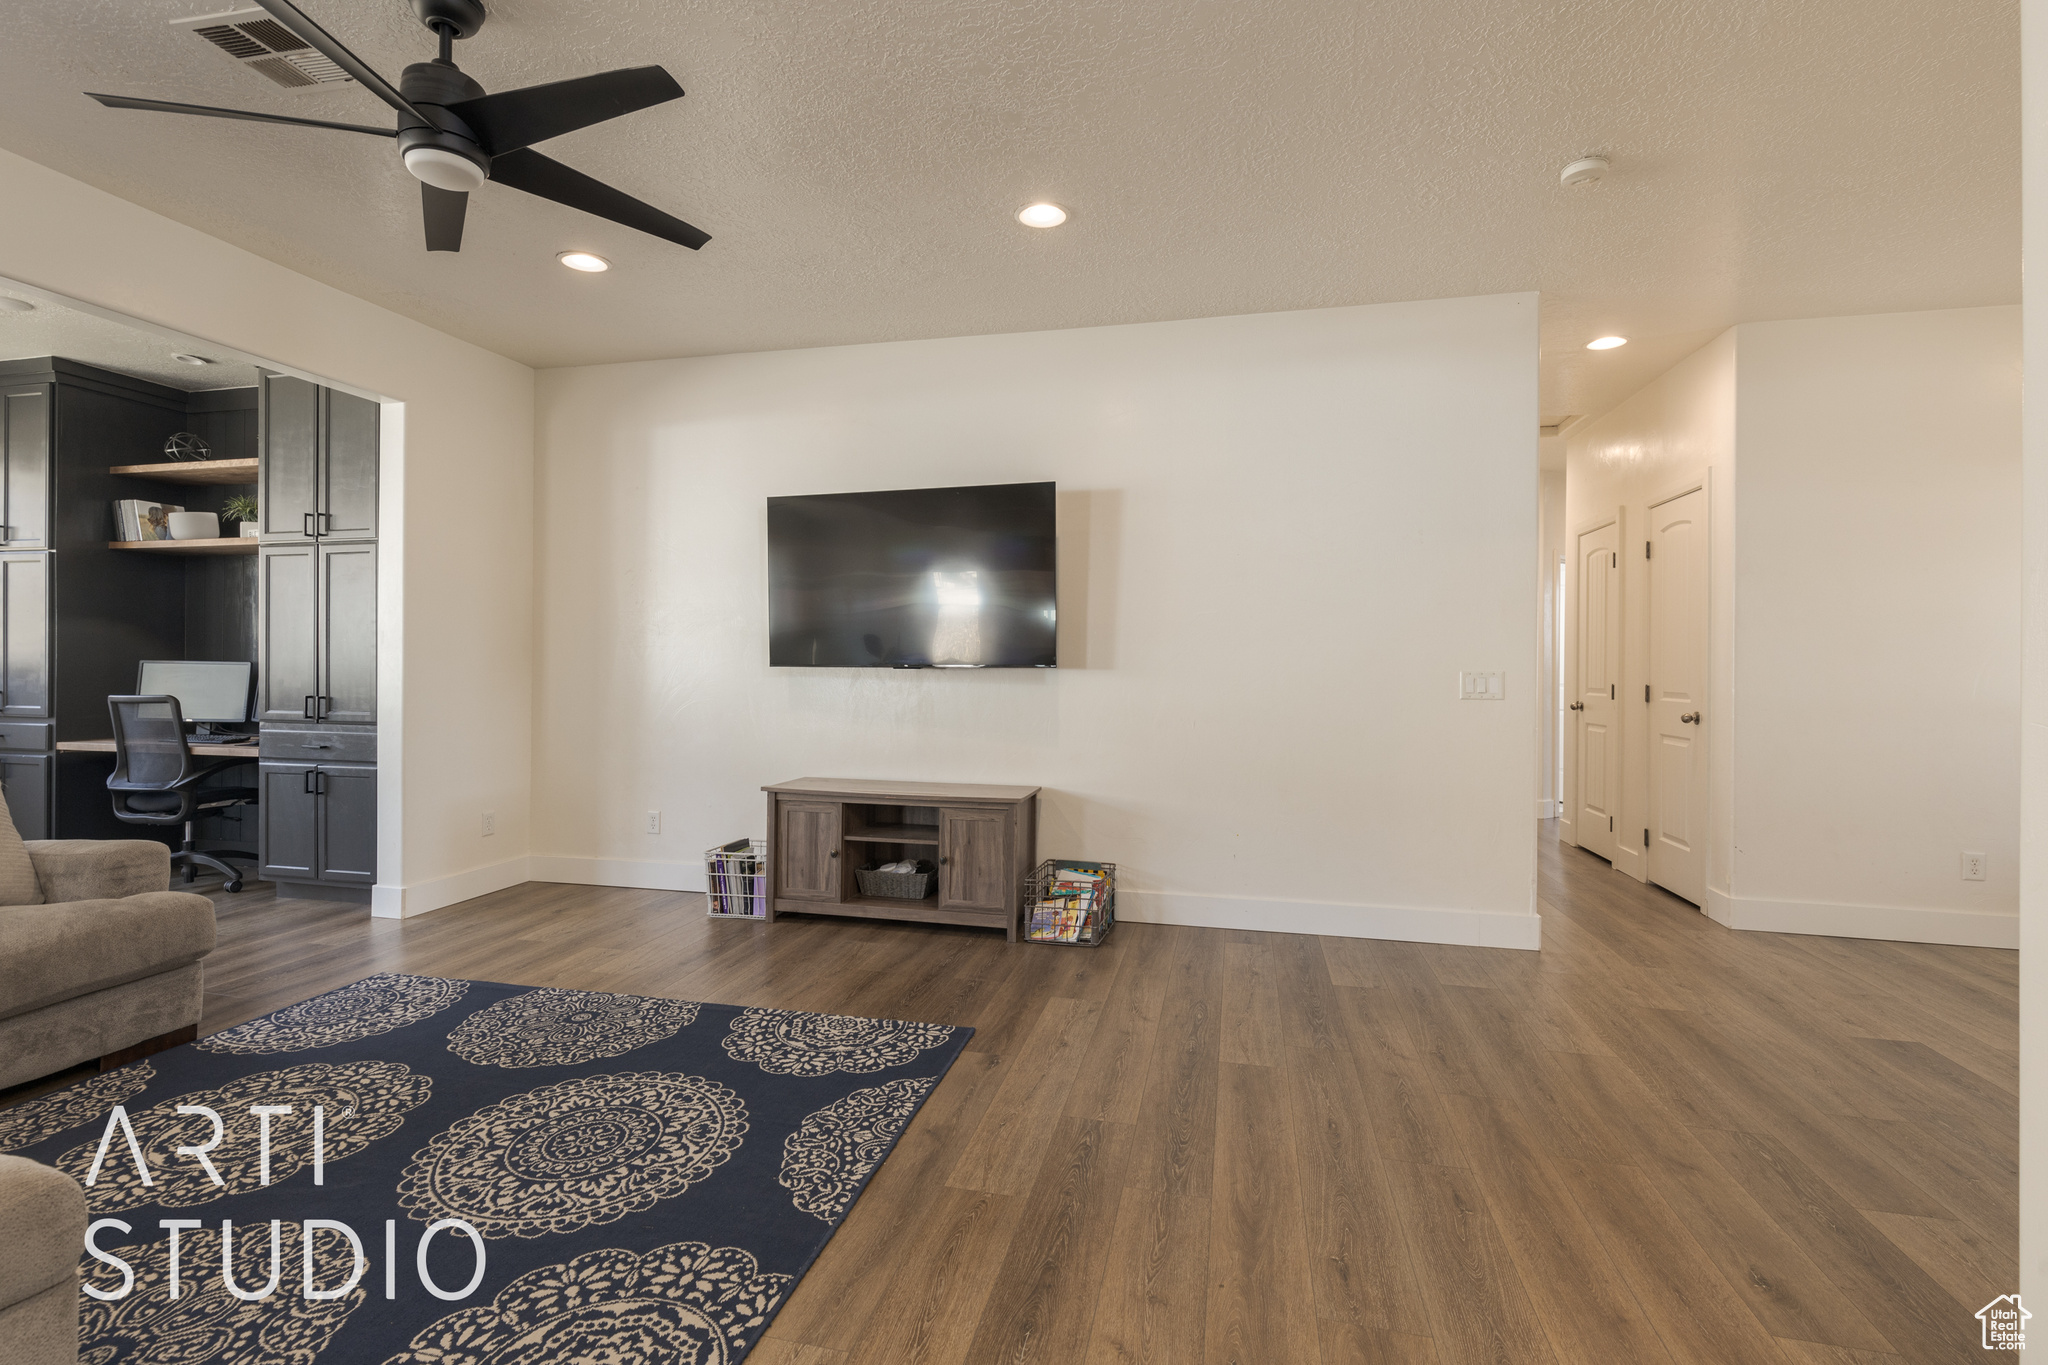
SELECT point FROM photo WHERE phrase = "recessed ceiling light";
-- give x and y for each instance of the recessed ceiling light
(191, 360)
(584, 261)
(1041, 215)
(16, 306)
(1606, 343)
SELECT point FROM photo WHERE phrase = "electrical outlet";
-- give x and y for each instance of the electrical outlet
(490, 823)
(1973, 867)
(654, 822)
(1481, 687)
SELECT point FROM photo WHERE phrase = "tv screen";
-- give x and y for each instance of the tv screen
(915, 578)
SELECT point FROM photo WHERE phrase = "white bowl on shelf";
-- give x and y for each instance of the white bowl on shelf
(195, 525)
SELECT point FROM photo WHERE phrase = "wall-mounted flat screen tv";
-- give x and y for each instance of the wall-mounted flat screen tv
(914, 578)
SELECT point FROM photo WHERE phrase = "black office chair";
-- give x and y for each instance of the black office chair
(156, 783)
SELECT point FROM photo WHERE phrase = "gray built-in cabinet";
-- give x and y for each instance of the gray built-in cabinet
(316, 619)
(76, 616)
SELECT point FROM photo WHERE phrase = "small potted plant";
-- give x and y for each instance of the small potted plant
(241, 508)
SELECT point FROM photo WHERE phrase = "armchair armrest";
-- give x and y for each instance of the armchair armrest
(42, 1219)
(99, 869)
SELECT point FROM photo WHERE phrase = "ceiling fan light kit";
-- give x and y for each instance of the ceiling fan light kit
(452, 136)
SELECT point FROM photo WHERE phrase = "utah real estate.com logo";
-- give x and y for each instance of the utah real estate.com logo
(2005, 1324)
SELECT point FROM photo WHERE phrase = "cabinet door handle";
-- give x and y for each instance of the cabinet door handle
(310, 532)
(322, 705)
(326, 520)
(307, 710)
(311, 773)
(320, 787)
(833, 854)
(944, 861)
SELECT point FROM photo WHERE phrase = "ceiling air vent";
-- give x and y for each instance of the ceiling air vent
(259, 42)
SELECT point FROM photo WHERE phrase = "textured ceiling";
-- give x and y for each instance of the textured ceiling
(53, 329)
(858, 163)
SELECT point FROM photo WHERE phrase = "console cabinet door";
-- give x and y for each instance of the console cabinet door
(348, 467)
(807, 850)
(290, 493)
(974, 848)
(348, 823)
(25, 780)
(25, 466)
(288, 818)
(347, 694)
(25, 636)
(288, 631)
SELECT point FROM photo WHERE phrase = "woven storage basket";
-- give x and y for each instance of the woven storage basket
(904, 886)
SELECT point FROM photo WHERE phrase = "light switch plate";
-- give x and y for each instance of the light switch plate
(1482, 686)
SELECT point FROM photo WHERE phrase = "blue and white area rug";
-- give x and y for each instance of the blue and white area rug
(413, 1170)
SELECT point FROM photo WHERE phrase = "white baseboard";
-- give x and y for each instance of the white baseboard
(1472, 928)
(403, 902)
(1896, 923)
(642, 875)
(1466, 928)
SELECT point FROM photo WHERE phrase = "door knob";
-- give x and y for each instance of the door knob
(1578, 706)
(1689, 718)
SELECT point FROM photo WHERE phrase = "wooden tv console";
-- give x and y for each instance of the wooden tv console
(984, 840)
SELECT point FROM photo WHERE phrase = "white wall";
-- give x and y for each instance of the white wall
(1673, 433)
(1877, 631)
(1282, 537)
(2034, 697)
(456, 536)
(1549, 608)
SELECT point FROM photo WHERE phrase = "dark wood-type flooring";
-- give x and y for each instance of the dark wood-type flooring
(1657, 1140)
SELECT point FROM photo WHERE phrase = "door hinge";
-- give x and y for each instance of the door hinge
(1610, 691)
(1646, 694)
(1646, 838)
(1646, 549)
(1614, 561)
(1610, 824)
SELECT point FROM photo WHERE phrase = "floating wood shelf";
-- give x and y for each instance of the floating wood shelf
(193, 471)
(226, 545)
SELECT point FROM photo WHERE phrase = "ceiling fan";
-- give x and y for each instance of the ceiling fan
(453, 137)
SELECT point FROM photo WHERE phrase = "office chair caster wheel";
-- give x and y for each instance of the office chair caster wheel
(235, 885)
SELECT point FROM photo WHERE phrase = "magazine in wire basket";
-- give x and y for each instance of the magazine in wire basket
(1070, 901)
(736, 880)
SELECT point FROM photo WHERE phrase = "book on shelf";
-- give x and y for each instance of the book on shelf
(140, 519)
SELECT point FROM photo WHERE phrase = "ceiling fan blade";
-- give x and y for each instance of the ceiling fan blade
(166, 107)
(512, 119)
(290, 16)
(530, 171)
(443, 211)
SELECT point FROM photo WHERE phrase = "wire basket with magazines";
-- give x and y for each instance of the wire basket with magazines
(736, 880)
(1070, 901)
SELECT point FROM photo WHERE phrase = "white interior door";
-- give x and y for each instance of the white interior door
(1678, 692)
(1598, 741)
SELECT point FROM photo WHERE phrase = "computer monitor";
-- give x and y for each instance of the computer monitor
(211, 693)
